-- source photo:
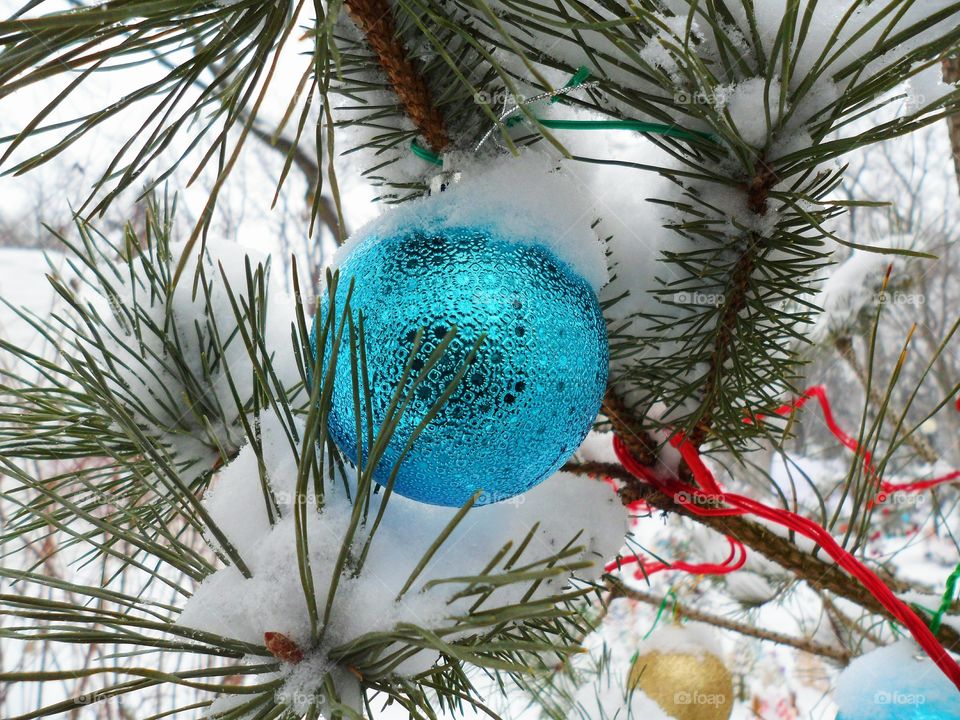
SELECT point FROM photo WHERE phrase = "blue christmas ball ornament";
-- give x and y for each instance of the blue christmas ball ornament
(533, 389)
(896, 682)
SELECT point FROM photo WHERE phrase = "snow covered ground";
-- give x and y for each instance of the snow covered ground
(23, 284)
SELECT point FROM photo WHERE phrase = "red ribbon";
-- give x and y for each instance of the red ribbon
(884, 487)
(692, 498)
(735, 560)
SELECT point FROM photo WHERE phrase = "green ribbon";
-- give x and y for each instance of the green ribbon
(424, 154)
(656, 620)
(578, 78)
(644, 127)
(582, 73)
(947, 600)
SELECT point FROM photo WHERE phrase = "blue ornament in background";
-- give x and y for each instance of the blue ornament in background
(531, 393)
(896, 682)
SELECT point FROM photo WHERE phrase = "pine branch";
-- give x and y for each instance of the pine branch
(818, 574)
(375, 19)
(726, 340)
(757, 193)
(845, 348)
(516, 614)
(618, 589)
(234, 41)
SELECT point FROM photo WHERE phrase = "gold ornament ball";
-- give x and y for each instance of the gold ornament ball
(688, 686)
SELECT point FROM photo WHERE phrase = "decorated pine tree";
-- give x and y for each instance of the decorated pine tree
(524, 444)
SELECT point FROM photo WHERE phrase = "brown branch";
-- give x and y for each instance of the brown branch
(758, 189)
(306, 163)
(951, 76)
(725, 339)
(735, 300)
(846, 626)
(820, 575)
(375, 19)
(809, 646)
(641, 445)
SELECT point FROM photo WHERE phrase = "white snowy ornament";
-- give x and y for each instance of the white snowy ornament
(896, 682)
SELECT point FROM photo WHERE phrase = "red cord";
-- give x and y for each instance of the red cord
(685, 495)
(735, 560)
(820, 393)
(918, 485)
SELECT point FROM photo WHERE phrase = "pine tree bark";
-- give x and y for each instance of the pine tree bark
(804, 644)
(375, 19)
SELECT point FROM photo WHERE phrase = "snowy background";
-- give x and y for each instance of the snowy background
(771, 681)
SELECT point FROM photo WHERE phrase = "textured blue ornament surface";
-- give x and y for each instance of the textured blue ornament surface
(532, 392)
